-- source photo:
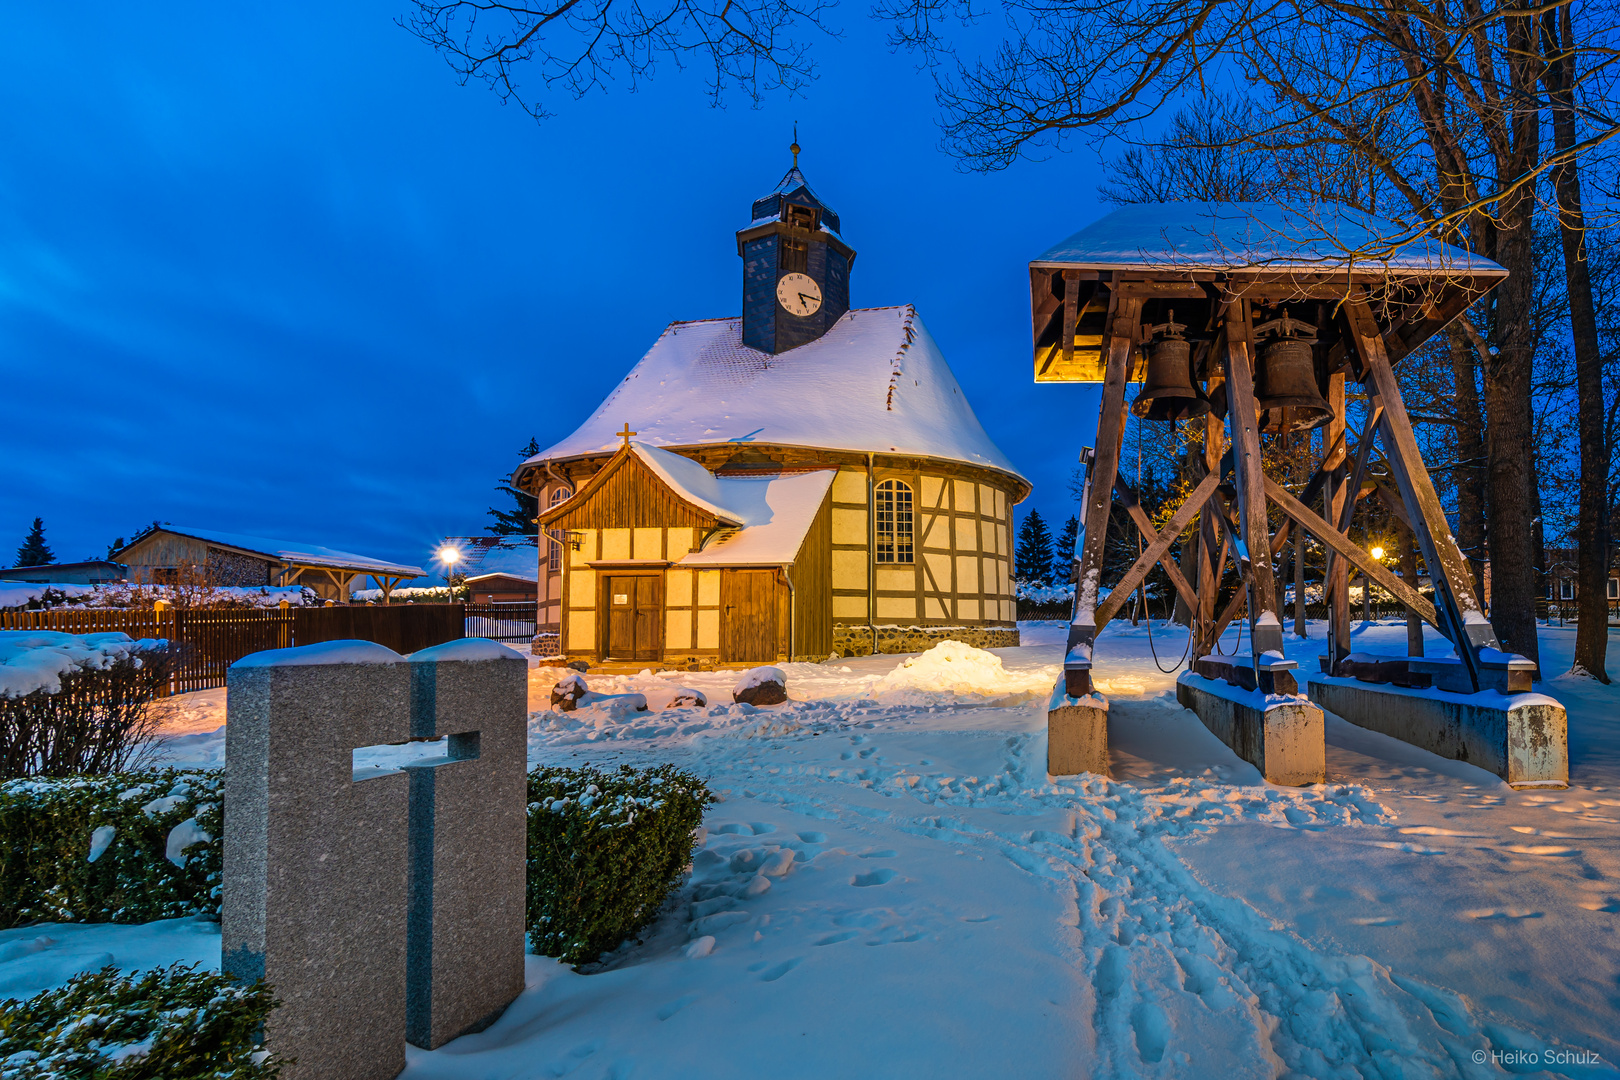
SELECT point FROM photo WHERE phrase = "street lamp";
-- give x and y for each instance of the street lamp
(449, 554)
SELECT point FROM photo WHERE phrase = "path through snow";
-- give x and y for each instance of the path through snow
(892, 886)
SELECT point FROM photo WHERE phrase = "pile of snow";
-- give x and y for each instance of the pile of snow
(961, 671)
(33, 660)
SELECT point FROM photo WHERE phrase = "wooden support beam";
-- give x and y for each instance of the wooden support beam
(1209, 576)
(1265, 627)
(1327, 534)
(1071, 314)
(1158, 547)
(1460, 616)
(1122, 330)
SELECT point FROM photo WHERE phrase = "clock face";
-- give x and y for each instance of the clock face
(799, 294)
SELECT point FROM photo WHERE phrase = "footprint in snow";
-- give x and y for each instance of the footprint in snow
(880, 876)
(833, 939)
(1502, 913)
(884, 854)
(676, 1006)
(781, 969)
(813, 837)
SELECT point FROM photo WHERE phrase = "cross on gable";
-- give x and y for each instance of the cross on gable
(626, 433)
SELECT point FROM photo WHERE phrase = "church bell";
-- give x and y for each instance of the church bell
(1286, 391)
(1168, 391)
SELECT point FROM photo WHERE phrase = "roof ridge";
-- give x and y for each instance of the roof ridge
(911, 335)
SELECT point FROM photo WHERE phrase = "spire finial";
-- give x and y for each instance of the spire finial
(795, 146)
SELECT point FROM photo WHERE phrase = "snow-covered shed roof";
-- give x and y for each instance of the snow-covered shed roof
(299, 554)
(1270, 236)
(776, 512)
(875, 382)
(688, 479)
(511, 556)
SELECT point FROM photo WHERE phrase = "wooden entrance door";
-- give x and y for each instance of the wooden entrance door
(634, 617)
(748, 617)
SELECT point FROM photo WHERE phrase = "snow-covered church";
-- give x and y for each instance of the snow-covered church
(803, 480)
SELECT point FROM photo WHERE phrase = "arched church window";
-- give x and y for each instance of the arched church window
(893, 521)
(555, 536)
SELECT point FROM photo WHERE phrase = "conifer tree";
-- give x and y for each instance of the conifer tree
(34, 551)
(1034, 551)
(1063, 558)
(518, 520)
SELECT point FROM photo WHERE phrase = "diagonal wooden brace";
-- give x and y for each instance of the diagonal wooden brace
(1158, 547)
(1333, 538)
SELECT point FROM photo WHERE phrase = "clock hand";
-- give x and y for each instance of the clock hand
(807, 299)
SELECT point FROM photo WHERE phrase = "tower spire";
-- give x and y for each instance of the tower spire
(795, 146)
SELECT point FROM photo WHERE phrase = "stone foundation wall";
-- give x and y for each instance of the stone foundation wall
(547, 643)
(855, 639)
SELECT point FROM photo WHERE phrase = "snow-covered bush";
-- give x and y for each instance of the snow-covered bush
(425, 594)
(124, 848)
(605, 850)
(23, 596)
(178, 1024)
(76, 703)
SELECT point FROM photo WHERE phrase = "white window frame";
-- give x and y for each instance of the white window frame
(894, 507)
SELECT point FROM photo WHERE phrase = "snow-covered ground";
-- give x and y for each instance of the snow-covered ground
(947, 910)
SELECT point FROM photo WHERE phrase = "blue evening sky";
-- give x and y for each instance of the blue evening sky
(268, 269)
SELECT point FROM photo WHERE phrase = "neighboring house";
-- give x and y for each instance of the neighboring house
(174, 554)
(498, 569)
(92, 572)
(1561, 583)
(802, 480)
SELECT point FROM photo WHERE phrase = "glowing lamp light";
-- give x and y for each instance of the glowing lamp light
(449, 555)
(1377, 553)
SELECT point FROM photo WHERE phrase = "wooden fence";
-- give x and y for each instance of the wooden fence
(206, 641)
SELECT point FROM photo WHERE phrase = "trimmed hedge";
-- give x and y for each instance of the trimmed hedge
(605, 850)
(49, 829)
(178, 1024)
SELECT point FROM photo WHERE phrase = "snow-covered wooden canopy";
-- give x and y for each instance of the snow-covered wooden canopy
(875, 383)
(1194, 256)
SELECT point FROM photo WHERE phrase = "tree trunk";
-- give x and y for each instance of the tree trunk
(1409, 574)
(1591, 533)
(1508, 445)
(1470, 455)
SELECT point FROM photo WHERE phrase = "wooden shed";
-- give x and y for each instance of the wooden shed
(670, 563)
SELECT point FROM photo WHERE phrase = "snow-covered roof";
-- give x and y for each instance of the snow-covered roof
(875, 382)
(515, 557)
(1227, 236)
(300, 554)
(688, 479)
(775, 511)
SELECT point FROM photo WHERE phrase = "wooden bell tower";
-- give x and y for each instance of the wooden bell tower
(1277, 310)
(795, 267)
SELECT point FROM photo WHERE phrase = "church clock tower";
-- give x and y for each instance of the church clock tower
(795, 267)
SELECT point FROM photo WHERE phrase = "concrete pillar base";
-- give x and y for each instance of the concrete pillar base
(1523, 738)
(1280, 736)
(1076, 734)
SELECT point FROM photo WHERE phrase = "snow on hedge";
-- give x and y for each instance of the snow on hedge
(34, 660)
(123, 594)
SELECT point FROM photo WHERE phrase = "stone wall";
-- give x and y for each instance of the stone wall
(855, 639)
(547, 643)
